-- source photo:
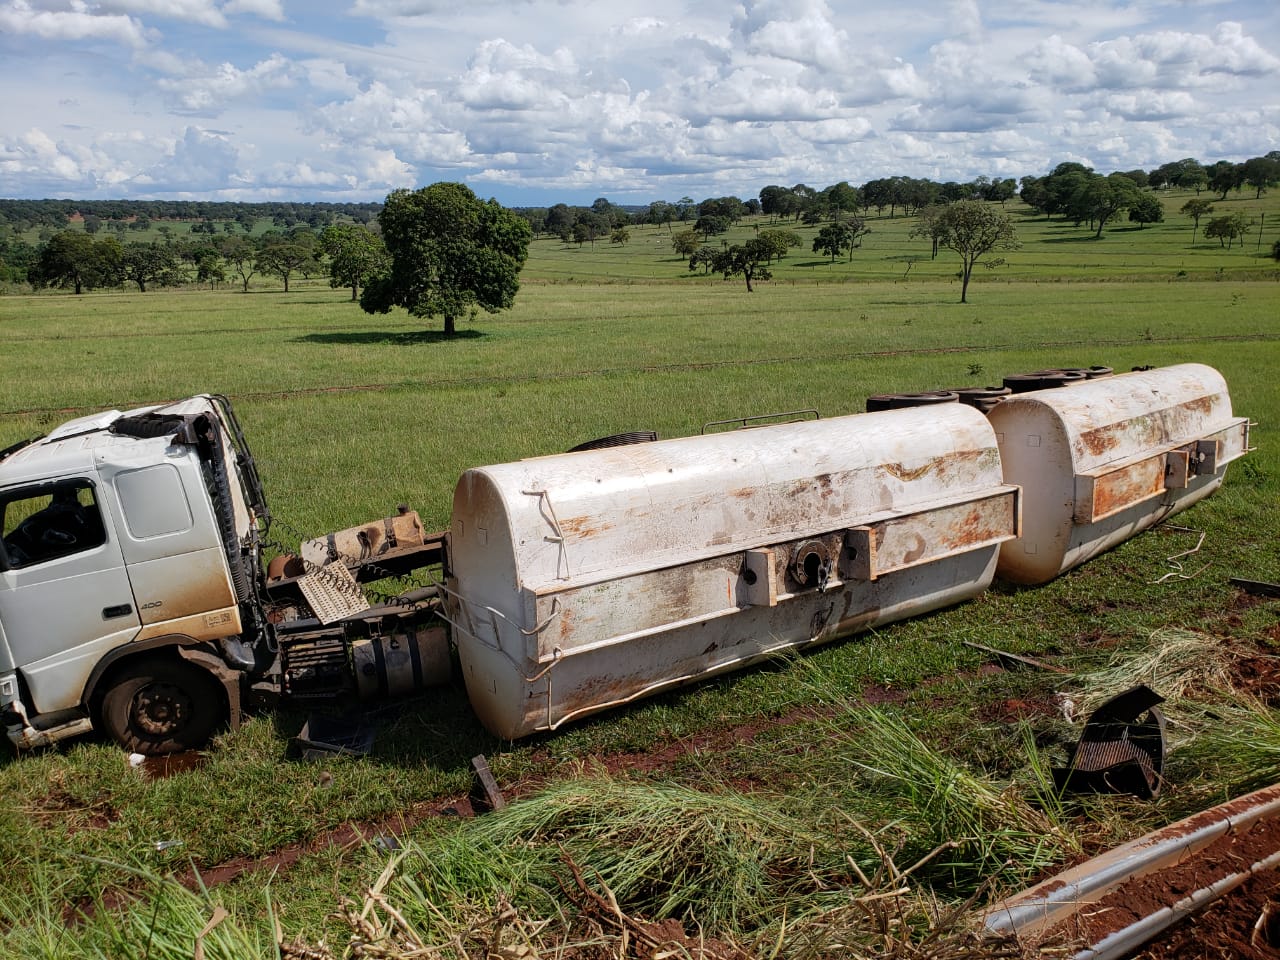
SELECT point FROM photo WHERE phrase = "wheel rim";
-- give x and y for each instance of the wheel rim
(161, 709)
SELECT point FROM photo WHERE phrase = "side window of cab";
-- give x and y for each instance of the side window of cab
(50, 521)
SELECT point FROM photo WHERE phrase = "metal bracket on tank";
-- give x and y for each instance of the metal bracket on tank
(554, 522)
(464, 606)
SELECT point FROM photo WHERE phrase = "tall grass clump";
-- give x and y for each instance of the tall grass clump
(664, 850)
(605, 867)
(1239, 744)
(164, 922)
(988, 825)
(1177, 664)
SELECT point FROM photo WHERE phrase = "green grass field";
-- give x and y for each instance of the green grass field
(742, 806)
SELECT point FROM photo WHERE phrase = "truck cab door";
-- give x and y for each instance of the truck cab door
(65, 598)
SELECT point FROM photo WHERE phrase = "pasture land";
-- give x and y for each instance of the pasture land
(733, 804)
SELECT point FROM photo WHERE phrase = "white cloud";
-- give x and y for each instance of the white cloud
(18, 17)
(1172, 59)
(798, 30)
(1151, 105)
(206, 91)
(1056, 63)
(194, 11)
(266, 9)
(201, 162)
(657, 99)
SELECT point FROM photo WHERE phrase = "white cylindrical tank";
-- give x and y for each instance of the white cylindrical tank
(585, 580)
(1101, 460)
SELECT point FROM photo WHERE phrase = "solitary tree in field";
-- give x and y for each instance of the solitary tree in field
(748, 260)
(1146, 208)
(144, 263)
(1101, 198)
(450, 253)
(74, 259)
(779, 241)
(241, 255)
(355, 254)
(972, 229)
(685, 242)
(1228, 229)
(1195, 209)
(283, 256)
(841, 236)
(1259, 173)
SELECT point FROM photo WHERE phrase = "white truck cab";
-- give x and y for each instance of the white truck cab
(127, 557)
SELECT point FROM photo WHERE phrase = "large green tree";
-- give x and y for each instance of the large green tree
(355, 254)
(972, 228)
(841, 236)
(144, 263)
(284, 255)
(74, 259)
(748, 260)
(241, 255)
(1196, 208)
(450, 253)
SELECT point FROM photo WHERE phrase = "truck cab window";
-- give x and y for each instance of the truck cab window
(50, 521)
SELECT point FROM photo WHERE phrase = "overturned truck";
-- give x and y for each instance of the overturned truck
(136, 596)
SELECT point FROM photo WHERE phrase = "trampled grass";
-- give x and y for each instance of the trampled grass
(350, 414)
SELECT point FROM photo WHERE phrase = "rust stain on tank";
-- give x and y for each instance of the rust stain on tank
(907, 474)
(1101, 440)
(1115, 492)
(567, 623)
(1201, 405)
(584, 527)
(944, 466)
(917, 550)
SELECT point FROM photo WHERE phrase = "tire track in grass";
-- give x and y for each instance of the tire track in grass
(671, 368)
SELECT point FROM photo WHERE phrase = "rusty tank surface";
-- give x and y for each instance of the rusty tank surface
(586, 580)
(1101, 460)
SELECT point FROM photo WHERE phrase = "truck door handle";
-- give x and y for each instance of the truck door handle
(121, 610)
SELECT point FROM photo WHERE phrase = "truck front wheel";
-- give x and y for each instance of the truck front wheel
(156, 707)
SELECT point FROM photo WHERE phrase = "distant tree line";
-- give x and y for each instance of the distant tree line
(350, 254)
(84, 244)
(123, 215)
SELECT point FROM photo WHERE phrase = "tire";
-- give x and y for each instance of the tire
(155, 707)
(616, 440)
(901, 401)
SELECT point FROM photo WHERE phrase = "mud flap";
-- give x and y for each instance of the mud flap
(229, 678)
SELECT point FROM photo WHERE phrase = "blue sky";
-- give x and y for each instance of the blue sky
(542, 101)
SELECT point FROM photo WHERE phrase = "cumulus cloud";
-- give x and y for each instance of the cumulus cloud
(20, 18)
(800, 30)
(1062, 65)
(206, 91)
(1151, 105)
(662, 99)
(200, 162)
(1171, 59)
(194, 11)
(502, 76)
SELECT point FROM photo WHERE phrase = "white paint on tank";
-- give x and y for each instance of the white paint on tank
(583, 580)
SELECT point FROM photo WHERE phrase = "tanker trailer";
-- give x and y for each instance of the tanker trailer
(1100, 460)
(582, 581)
